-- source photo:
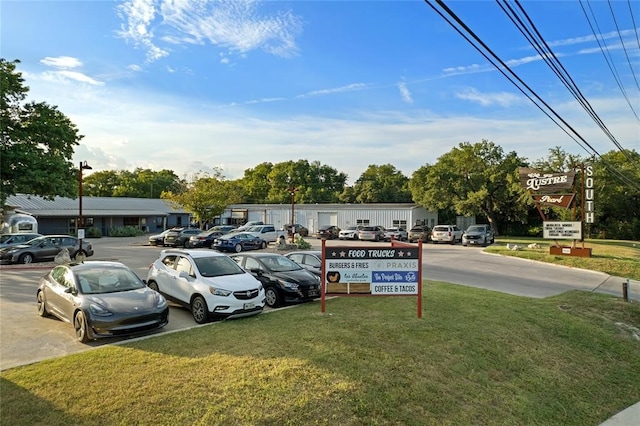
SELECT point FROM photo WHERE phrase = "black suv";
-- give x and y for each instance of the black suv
(179, 237)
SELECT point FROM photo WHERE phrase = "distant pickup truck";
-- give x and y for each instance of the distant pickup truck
(269, 233)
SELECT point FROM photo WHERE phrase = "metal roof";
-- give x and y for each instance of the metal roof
(92, 206)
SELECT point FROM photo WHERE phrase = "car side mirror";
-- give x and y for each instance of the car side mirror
(183, 274)
(256, 271)
(70, 290)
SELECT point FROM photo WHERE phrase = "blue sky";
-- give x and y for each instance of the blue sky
(187, 86)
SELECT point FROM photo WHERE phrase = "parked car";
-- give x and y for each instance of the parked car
(446, 233)
(268, 232)
(350, 232)
(371, 233)
(239, 241)
(204, 239)
(310, 260)
(158, 239)
(396, 233)
(284, 280)
(478, 235)
(210, 284)
(419, 233)
(44, 248)
(101, 299)
(296, 228)
(328, 232)
(248, 225)
(19, 238)
(179, 237)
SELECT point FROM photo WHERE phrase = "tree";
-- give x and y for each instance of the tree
(616, 177)
(141, 183)
(37, 142)
(379, 184)
(473, 179)
(313, 182)
(206, 196)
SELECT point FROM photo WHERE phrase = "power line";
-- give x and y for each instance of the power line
(547, 110)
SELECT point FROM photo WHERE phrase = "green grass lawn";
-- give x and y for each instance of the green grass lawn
(475, 357)
(617, 258)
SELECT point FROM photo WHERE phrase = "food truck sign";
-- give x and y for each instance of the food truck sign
(375, 271)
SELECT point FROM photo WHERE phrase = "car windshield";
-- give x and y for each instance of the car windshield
(36, 241)
(280, 264)
(107, 280)
(256, 228)
(441, 228)
(369, 228)
(217, 266)
(476, 229)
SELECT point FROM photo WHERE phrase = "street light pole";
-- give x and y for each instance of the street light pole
(80, 224)
(292, 191)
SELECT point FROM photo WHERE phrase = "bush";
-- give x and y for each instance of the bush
(93, 232)
(126, 231)
(302, 243)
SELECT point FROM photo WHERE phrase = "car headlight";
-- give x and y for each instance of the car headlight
(286, 284)
(162, 302)
(219, 291)
(99, 310)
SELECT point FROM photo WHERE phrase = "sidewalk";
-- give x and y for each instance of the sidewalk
(627, 417)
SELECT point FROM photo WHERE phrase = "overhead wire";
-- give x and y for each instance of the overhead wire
(606, 54)
(548, 111)
(550, 58)
(626, 54)
(633, 21)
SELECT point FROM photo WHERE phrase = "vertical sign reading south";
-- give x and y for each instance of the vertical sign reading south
(589, 214)
(375, 271)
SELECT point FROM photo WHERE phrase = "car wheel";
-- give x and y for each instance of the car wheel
(199, 310)
(263, 245)
(273, 299)
(42, 305)
(238, 248)
(26, 258)
(80, 325)
(186, 244)
(153, 286)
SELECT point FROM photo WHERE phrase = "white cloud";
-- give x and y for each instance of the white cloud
(405, 93)
(61, 62)
(504, 99)
(234, 25)
(347, 88)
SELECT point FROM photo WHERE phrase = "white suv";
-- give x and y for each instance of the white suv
(210, 284)
(446, 234)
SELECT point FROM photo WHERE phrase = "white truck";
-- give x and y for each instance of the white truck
(269, 233)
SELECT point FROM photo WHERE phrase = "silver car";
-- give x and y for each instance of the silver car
(481, 235)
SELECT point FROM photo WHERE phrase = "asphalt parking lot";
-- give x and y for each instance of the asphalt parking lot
(27, 338)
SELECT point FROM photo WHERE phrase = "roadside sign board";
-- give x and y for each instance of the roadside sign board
(372, 270)
(562, 230)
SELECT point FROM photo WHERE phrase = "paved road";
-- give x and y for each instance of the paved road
(27, 338)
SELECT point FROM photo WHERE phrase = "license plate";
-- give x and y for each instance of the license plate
(249, 305)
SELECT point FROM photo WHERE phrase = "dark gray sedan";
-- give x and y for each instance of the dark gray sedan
(44, 248)
(101, 299)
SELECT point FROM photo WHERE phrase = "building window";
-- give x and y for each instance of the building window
(131, 221)
(400, 224)
(363, 222)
